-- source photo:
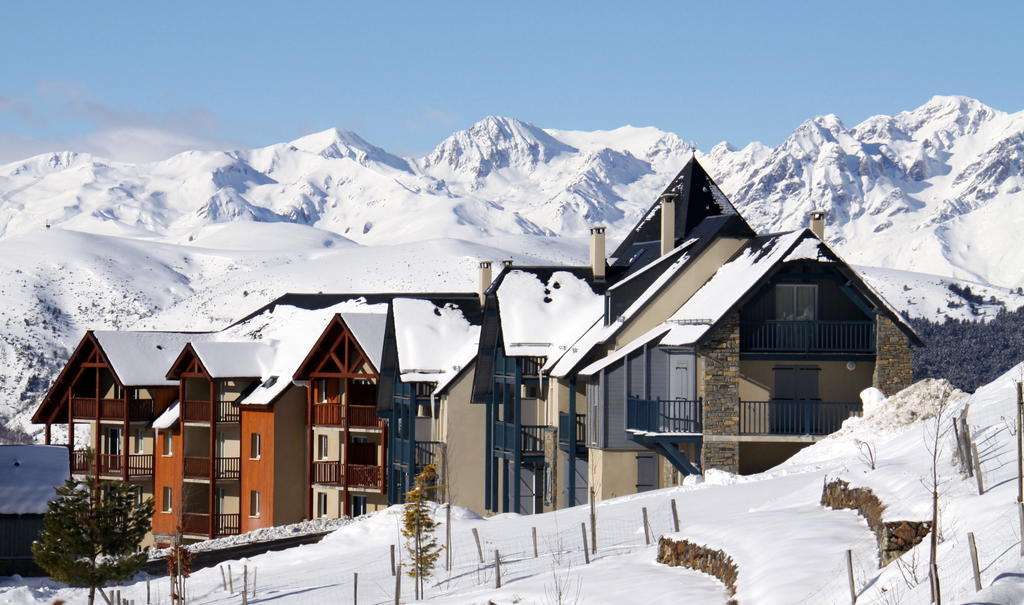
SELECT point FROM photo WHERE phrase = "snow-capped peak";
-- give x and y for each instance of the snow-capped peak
(337, 143)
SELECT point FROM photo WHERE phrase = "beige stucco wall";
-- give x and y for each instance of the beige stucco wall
(335, 496)
(290, 456)
(228, 438)
(835, 382)
(461, 427)
(753, 390)
(229, 503)
(679, 290)
(612, 474)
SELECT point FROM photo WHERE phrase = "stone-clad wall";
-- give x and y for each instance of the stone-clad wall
(683, 553)
(894, 359)
(721, 381)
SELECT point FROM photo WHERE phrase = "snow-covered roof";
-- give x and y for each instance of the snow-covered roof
(730, 283)
(244, 359)
(541, 319)
(143, 358)
(434, 342)
(28, 476)
(169, 416)
(649, 336)
(368, 328)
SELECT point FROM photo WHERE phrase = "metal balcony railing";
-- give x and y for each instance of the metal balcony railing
(807, 336)
(676, 416)
(805, 417)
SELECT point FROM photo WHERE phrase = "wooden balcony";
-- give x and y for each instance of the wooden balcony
(198, 524)
(806, 417)
(779, 336)
(199, 467)
(202, 411)
(363, 416)
(351, 475)
(664, 416)
(112, 409)
(328, 414)
(138, 465)
(530, 438)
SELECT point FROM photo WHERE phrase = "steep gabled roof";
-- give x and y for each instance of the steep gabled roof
(28, 476)
(697, 197)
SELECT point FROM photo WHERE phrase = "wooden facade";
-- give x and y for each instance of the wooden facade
(345, 440)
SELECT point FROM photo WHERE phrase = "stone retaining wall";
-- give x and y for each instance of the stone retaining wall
(683, 553)
(894, 537)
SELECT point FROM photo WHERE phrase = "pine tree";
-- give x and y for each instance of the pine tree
(91, 533)
(418, 528)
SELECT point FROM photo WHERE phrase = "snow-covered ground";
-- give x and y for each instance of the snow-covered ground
(788, 548)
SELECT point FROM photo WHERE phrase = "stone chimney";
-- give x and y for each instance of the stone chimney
(597, 260)
(818, 223)
(485, 279)
(668, 222)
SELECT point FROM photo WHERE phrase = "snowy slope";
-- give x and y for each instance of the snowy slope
(788, 548)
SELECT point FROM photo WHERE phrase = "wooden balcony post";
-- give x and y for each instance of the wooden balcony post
(126, 438)
(213, 463)
(346, 505)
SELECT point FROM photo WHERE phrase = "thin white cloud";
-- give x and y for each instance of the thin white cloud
(128, 144)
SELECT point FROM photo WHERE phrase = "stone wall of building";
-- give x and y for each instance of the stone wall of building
(894, 359)
(721, 388)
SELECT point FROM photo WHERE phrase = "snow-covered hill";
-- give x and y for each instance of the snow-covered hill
(786, 546)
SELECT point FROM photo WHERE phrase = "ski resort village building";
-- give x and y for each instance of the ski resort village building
(697, 344)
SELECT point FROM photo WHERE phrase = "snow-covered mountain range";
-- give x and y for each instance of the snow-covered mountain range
(202, 237)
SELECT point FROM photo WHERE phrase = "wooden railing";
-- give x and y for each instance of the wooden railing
(80, 462)
(572, 430)
(139, 465)
(363, 416)
(228, 467)
(195, 410)
(531, 366)
(226, 524)
(806, 417)
(227, 411)
(677, 416)
(352, 475)
(530, 437)
(198, 467)
(86, 407)
(328, 414)
(808, 336)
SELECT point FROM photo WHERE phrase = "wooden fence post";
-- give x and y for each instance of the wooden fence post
(1020, 442)
(398, 585)
(675, 516)
(849, 576)
(977, 469)
(223, 578)
(593, 523)
(965, 434)
(392, 559)
(254, 570)
(245, 585)
(149, 600)
(355, 588)
(1020, 515)
(479, 549)
(974, 561)
(535, 552)
(586, 555)
(231, 581)
(647, 529)
(497, 569)
(448, 537)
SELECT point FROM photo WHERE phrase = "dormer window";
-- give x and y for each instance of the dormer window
(796, 302)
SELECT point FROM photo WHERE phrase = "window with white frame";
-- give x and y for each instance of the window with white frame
(321, 504)
(255, 446)
(168, 497)
(254, 503)
(321, 447)
(168, 442)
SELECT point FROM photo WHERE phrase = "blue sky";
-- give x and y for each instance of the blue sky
(143, 79)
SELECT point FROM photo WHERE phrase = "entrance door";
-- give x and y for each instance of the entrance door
(112, 461)
(681, 384)
(646, 472)
(680, 415)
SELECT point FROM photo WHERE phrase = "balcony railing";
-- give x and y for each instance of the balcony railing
(198, 410)
(676, 416)
(352, 475)
(139, 465)
(86, 407)
(328, 414)
(572, 430)
(198, 467)
(532, 366)
(530, 436)
(424, 453)
(808, 336)
(226, 524)
(805, 417)
(363, 416)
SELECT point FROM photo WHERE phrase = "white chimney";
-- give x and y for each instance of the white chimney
(668, 223)
(818, 223)
(507, 263)
(485, 279)
(597, 260)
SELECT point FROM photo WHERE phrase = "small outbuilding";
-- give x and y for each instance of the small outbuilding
(29, 474)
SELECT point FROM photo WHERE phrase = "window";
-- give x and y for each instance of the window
(321, 447)
(140, 441)
(321, 390)
(255, 446)
(254, 503)
(358, 505)
(113, 440)
(168, 441)
(796, 302)
(321, 504)
(168, 497)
